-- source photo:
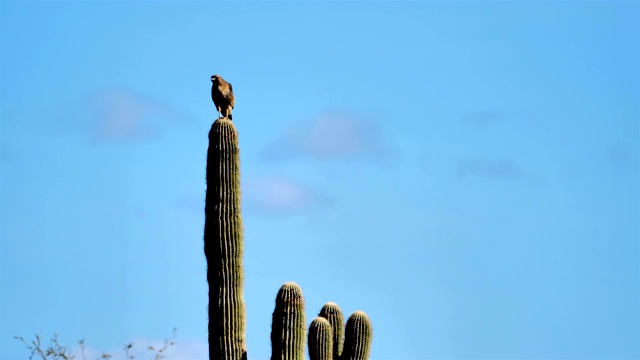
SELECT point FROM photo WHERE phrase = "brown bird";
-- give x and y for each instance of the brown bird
(222, 96)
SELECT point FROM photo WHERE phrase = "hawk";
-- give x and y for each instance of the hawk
(222, 96)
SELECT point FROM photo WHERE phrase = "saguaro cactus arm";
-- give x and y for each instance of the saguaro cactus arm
(288, 327)
(320, 339)
(332, 312)
(358, 334)
(357, 340)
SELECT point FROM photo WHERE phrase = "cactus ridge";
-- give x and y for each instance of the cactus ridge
(288, 327)
(320, 339)
(223, 244)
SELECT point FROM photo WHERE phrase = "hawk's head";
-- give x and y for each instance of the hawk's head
(214, 78)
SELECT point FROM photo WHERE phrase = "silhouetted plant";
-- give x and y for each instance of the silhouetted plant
(55, 351)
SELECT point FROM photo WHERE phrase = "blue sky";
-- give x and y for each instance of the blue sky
(467, 173)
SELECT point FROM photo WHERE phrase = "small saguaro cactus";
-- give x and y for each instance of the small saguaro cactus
(332, 312)
(320, 339)
(288, 326)
(358, 334)
(357, 337)
(325, 331)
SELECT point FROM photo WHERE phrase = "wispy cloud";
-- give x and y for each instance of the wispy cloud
(482, 119)
(276, 195)
(122, 114)
(182, 349)
(330, 136)
(622, 157)
(505, 169)
(269, 195)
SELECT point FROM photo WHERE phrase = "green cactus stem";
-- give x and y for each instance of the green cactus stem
(223, 245)
(331, 311)
(320, 339)
(288, 327)
(358, 335)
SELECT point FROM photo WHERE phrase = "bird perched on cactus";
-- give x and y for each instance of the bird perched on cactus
(222, 96)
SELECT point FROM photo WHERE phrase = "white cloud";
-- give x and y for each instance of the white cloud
(122, 114)
(279, 195)
(621, 156)
(329, 136)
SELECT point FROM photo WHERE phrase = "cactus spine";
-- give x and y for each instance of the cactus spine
(223, 245)
(320, 339)
(288, 328)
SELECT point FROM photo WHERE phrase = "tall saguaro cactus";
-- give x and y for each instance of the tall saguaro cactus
(223, 245)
